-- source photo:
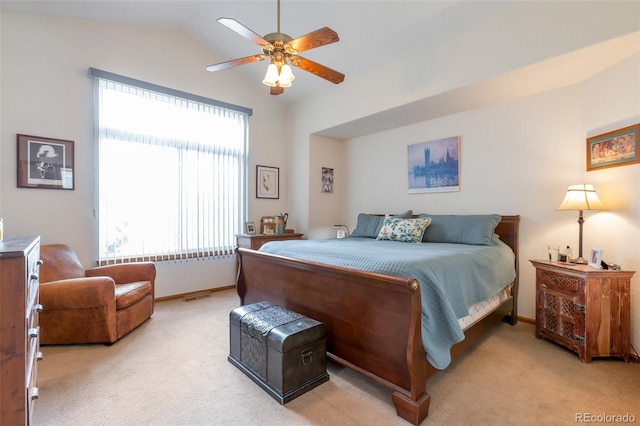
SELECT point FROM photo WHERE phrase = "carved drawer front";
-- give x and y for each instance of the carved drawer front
(561, 282)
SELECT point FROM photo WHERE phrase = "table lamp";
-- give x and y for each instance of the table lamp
(341, 233)
(580, 197)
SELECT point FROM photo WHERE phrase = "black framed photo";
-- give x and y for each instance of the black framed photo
(267, 182)
(45, 163)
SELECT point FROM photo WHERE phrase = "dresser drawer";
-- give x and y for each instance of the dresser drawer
(562, 282)
(33, 358)
(33, 281)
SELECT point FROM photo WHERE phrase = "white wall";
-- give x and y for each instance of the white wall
(46, 92)
(519, 157)
(329, 208)
(520, 149)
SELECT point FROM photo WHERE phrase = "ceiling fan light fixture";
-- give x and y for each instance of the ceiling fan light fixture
(282, 50)
(286, 74)
(271, 77)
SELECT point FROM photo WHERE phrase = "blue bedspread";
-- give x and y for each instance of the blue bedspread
(452, 277)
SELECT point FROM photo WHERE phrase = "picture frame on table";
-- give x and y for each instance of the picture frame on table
(268, 225)
(45, 162)
(267, 182)
(613, 149)
(250, 228)
(595, 258)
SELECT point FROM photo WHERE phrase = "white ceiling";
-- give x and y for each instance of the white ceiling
(369, 31)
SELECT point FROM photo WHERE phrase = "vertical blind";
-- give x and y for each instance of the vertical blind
(171, 175)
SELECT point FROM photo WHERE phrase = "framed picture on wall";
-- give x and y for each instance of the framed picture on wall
(45, 163)
(434, 166)
(612, 149)
(267, 182)
(327, 179)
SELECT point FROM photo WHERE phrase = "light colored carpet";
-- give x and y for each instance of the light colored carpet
(173, 370)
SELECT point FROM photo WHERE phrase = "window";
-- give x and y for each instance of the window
(171, 172)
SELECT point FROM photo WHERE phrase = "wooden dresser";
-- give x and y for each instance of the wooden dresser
(584, 309)
(256, 241)
(19, 329)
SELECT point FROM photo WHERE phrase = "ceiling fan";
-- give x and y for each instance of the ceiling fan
(282, 50)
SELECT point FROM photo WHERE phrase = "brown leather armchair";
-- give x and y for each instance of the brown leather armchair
(96, 305)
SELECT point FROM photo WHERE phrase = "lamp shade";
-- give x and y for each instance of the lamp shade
(581, 197)
(286, 76)
(271, 78)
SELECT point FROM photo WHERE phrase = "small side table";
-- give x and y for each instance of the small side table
(584, 309)
(256, 241)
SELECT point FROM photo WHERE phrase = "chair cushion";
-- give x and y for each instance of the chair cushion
(128, 294)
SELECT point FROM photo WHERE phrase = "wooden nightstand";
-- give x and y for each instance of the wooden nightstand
(256, 241)
(584, 309)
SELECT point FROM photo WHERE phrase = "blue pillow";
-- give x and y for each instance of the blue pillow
(369, 225)
(461, 229)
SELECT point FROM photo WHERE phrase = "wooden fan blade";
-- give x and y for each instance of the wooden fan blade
(234, 63)
(317, 69)
(276, 90)
(314, 39)
(245, 32)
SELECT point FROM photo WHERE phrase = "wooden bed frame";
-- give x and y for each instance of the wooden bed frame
(373, 320)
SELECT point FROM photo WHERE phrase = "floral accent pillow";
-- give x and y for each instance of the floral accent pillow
(404, 230)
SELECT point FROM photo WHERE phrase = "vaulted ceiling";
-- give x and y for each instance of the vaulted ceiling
(372, 33)
(369, 31)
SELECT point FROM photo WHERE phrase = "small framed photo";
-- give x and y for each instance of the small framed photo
(45, 163)
(612, 149)
(267, 225)
(595, 258)
(267, 182)
(249, 228)
(269, 228)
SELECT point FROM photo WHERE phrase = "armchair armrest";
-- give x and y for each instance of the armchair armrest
(124, 273)
(78, 293)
